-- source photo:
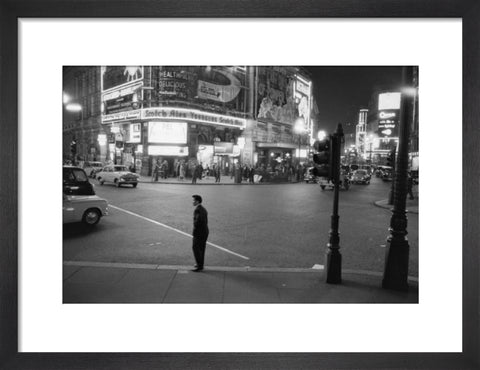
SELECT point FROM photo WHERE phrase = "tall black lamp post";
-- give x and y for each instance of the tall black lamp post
(334, 258)
(395, 275)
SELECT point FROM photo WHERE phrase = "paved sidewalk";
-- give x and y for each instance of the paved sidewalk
(412, 205)
(132, 283)
(209, 180)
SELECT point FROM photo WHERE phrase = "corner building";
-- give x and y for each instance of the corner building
(209, 114)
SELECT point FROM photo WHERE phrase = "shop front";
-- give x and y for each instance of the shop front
(275, 160)
(171, 136)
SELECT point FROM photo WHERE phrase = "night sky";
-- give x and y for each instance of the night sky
(340, 92)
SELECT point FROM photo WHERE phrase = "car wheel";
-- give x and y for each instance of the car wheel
(117, 183)
(101, 181)
(91, 217)
(323, 187)
(134, 185)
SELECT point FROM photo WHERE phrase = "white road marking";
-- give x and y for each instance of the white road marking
(176, 230)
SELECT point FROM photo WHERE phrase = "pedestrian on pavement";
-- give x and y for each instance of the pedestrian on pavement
(181, 171)
(200, 232)
(156, 171)
(194, 174)
(251, 175)
(165, 169)
(216, 171)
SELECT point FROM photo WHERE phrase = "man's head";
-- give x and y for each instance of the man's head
(197, 199)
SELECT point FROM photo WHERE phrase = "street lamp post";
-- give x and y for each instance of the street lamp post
(395, 275)
(334, 258)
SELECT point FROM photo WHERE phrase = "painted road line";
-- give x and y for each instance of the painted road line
(176, 230)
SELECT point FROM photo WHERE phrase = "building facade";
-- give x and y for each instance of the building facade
(137, 115)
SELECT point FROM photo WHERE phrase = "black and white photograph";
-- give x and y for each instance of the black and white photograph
(241, 188)
(240, 184)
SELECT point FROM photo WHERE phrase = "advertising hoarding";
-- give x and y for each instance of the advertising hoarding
(116, 76)
(167, 132)
(177, 151)
(121, 88)
(388, 123)
(388, 114)
(281, 96)
(218, 86)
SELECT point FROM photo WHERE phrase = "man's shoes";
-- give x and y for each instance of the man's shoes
(197, 269)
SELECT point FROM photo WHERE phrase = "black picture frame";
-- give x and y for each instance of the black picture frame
(11, 10)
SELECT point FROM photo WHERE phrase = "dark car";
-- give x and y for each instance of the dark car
(75, 182)
(387, 175)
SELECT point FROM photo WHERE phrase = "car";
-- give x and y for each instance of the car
(309, 176)
(387, 175)
(75, 181)
(80, 204)
(360, 177)
(88, 209)
(91, 168)
(380, 170)
(326, 183)
(118, 175)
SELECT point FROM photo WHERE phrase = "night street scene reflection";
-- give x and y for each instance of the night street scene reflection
(307, 178)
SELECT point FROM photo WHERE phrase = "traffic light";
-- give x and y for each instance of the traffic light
(323, 158)
(73, 147)
(391, 159)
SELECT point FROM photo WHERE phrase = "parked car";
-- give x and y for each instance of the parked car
(91, 168)
(80, 204)
(118, 175)
(75, 181)
(87, 209)
(360, 177)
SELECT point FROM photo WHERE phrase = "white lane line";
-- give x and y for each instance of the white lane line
(176, 230)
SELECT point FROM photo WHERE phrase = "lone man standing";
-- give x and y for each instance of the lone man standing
(200, 232)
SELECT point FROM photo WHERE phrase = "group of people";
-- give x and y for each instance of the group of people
(160, 169)
(240, 173)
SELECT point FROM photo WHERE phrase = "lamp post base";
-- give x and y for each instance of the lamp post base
(395, 275)
(334, 267)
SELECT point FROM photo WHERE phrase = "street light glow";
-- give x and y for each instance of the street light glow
(409, 91)
(66, 98)
(299, 125)
(321, 135)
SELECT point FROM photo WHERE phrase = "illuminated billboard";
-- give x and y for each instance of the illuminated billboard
(388, 114)
(390, 100)
(116, 76)
(121, 88)
(216, 86)
(282, 96)
(167, 132)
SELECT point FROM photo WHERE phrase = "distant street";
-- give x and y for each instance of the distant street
(284, 225)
